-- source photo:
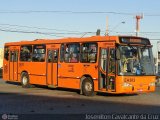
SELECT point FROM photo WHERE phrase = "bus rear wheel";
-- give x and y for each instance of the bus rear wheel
(25, 80)
(88, 87)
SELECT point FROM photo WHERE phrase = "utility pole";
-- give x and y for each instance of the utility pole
(107, 30)
(107, 26)
(138, 17)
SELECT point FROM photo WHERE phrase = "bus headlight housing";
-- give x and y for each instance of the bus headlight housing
(125, 84)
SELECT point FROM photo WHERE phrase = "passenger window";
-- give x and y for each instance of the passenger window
(112, 61)
(55, 56)
(26, 53)
(50, 56)
(39, 52)
(72, 53)
(6, 53)
(62, 53)
(89, 53)
(14, 56)
(104, 54)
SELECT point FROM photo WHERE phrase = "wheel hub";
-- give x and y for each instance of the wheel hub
(25, 80)
(88, 86)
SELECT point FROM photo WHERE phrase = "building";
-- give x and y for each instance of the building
(1, 57)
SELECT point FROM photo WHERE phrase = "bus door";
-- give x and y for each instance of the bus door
(13, 65)
(111, 83)
(107, 69)
(52, 67)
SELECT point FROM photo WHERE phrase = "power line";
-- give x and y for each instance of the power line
(11, 25)
(152, 15)
(63, 12)
(75, 12)
(63, 33)
(33, 11)
(9, 28)
(148, 32)
(19, 30)
(56, 34)
(70, 32)
(15, 31)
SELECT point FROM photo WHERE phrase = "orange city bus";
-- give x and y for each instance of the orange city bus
(110, 64)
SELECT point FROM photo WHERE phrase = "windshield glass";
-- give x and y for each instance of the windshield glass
(136, 60)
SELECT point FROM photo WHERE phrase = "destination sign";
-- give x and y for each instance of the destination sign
(134, 40)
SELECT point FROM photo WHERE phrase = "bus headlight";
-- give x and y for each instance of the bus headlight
(152, 84)
(126, 84)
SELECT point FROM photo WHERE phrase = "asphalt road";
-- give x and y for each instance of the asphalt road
(41, 100)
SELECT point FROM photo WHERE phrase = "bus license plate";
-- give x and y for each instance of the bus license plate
(139, 90)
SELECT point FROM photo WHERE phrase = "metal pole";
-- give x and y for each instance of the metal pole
(107, 33)
(138, 17)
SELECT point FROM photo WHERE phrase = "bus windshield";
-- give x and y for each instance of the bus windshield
(136, 60)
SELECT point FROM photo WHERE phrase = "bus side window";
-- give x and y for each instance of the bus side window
(112, 61)
(72, 53)
(104, 54)
(55, 56)
(13, 56)
(62, 53)
(89, 52)
(50, 56)
(66, 54)
(39, 52)
(6, 53)
(26, 53)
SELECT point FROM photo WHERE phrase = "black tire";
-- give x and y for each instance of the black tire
(25, 80)
(87, 87)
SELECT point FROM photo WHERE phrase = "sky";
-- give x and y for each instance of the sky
(51, 19)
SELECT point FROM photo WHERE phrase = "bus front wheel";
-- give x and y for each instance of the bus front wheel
(25, 80)
(87, 87)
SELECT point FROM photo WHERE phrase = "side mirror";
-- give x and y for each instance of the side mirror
(118, 54)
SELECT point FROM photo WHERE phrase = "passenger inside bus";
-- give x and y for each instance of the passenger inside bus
(130, 61)
(92, 53)
(74, 58)
(25, 53)
(133, 63)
